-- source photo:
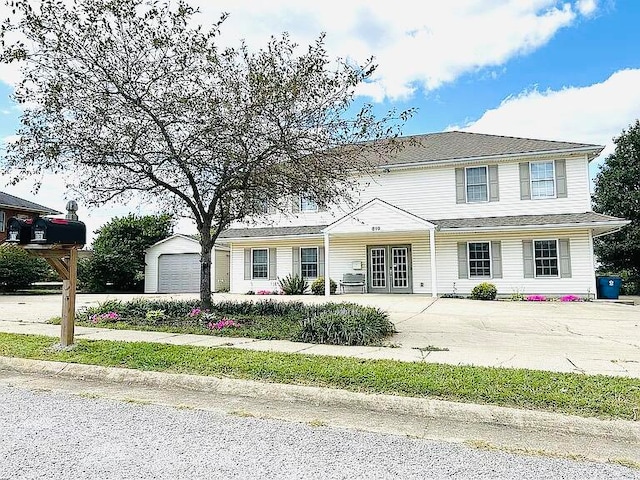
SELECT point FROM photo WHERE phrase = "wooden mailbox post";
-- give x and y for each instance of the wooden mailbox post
(64, 260)
(56, 240)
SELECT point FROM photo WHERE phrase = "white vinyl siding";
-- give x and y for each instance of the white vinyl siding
(543, 180)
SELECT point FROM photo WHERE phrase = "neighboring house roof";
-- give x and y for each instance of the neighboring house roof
(455, 145)
(191, 238)
(451, 225)
(16, 203)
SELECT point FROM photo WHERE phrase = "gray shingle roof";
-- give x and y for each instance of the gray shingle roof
(450, 224)
(433, 147)
(17, 203)
(525, 220)
(271, 231)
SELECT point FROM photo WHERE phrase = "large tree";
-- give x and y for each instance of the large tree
(134, 99)
(617, 192)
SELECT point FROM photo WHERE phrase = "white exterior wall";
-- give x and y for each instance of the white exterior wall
(430, 193)
(284, 262)
(513, 281)
(344, 250)
(175, 245)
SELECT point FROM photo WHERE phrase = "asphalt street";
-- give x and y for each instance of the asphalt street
(53, 435)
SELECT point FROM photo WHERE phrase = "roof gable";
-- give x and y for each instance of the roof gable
(378, 216)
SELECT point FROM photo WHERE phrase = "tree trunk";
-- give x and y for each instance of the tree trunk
(206, 245)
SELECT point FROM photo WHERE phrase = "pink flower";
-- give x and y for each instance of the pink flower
(570, 298)
(536, 298)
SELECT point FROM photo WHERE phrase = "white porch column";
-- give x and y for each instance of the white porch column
(434, 269)
(327, 276)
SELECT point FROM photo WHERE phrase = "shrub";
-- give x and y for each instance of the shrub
(484, 291)
(317, 287)
(346, 324)
(293, 285)
(18, 269)
(536, 298)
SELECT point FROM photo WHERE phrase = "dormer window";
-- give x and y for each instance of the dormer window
(308, 204)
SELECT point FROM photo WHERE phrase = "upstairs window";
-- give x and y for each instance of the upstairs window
(308, 205)
(543, 184)
(476, 184)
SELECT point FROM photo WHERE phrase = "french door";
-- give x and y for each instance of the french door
(389, 268)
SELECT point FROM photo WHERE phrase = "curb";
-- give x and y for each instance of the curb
(619, 430)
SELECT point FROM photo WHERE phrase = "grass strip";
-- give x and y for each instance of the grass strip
(589, 396)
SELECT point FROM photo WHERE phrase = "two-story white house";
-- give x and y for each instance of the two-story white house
(449, 211)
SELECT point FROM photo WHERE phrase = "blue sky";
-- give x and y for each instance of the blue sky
(538, 68)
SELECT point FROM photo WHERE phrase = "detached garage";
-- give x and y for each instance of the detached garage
(173, 266)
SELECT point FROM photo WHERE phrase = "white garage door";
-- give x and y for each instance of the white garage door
(179, 273)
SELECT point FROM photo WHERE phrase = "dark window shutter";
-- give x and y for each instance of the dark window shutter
(273, 262)
(565, 258)
(296, 270)
(321, 261)
(527, 258)
(496, 259)
(247, 264)
(525, 181)
(463, 264)
(295, 204)
(561, 178)
(494, 190)
(460, 196)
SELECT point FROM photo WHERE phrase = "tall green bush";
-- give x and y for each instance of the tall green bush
(18, 269)
(484, 291)
(317, 287)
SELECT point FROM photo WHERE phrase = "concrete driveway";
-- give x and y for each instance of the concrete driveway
(593, 337)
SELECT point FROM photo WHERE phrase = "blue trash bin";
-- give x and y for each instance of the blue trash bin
(608, 287)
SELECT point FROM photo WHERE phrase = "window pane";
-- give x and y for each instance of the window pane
(479, 259)
(260, 265)
(308, 205)
(542, 180)
(476, 184)
(546, 258)
(309, 262)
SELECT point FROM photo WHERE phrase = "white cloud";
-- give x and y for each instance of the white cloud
(426, 47)
(592, 114)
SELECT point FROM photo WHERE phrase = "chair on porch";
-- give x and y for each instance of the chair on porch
(352, 280)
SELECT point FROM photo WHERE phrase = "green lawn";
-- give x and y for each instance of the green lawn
(589, 396)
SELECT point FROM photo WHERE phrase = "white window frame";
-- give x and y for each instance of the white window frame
(466, 184)
(535, 266)
(317, 263)
(469, 260)
(253, 277)
(306, 199)
(3, 221)
(553, 179)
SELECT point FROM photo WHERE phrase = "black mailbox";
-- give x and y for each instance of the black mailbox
(59, 231)
(18, 230)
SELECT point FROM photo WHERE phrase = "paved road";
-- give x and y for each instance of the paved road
(58, 436)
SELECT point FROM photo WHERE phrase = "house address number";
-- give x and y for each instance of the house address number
(375, 229)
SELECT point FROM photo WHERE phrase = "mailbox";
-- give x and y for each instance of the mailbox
(49, 231)
(18, 230)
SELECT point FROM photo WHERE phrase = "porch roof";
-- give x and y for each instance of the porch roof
(261, 232)
(599, 222)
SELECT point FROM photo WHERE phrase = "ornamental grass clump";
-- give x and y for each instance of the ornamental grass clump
(346, 324)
